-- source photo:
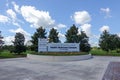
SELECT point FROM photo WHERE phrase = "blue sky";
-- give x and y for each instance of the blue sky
(91, 16)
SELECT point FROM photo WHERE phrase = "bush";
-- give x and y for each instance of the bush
(19, 49)
(118, 50)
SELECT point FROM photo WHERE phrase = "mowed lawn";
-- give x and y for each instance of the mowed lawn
(100, 52)
(7, 54)
(94, 52)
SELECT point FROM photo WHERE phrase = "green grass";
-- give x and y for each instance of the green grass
(60, 53)
(99, 52)
(7, 54)
(96, 52)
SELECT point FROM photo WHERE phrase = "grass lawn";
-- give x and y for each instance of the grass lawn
(96, 52)
(99, 52)
(7, 54)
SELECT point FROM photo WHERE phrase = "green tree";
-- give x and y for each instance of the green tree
(109, 41)
(40, 33)
(1, 42)
(82, 36)
(104, 41)
(72, 35)
(19, 43)
(115, 42)
(84, 44)
(53, 36)
(8, 47)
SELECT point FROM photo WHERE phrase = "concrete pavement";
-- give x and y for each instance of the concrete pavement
(26, 69)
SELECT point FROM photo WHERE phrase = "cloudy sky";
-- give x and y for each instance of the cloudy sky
(91, 16)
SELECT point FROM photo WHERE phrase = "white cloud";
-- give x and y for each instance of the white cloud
(93, 44)
(96, 36)
(94, 40)
(3, 19)
(87, 29)
(16, 7)
(60, 26)
(106, 11)
(8, 40)
(103, 28)
(26, 34)
(19, 30)
(13, 17)
(118, 34)
(16, 24)
(37, 18)
(28, 43)
(81, 17)
(79, 30)
(61, 37)
(11, 13)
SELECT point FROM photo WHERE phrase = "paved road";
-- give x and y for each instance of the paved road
(26, 69)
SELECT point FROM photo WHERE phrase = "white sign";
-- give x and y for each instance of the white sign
(63, 47)
(42, 45)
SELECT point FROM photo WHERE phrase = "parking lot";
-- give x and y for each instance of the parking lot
(28, 69)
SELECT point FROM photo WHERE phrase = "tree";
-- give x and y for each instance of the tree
(115, 42)
(104, 41)
(72, 35)
(9, 48)
(84, 45)
(83, 39)
(1, 42)
(109, 41)
(82, 36)
(53, 36)
(40, 33)
(19, 43)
